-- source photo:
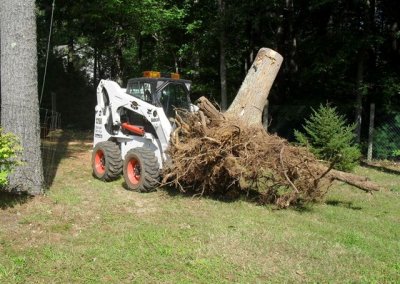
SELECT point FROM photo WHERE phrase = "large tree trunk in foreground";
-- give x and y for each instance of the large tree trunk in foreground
(249, 102)
(19, 102)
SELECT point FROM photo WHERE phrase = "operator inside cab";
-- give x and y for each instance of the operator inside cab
(147, 96)
(163, 90)
(140, 90)
(173, 97)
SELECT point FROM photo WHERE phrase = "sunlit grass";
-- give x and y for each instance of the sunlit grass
(87, 231)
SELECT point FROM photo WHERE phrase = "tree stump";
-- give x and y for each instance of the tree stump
(230, 153)
(249, 102)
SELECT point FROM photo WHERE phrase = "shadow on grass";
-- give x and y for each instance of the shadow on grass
(303, 208)
(10, 199)
(125, 186)
(55, 148)
(252, 196)
(380, 168)
(343, 204)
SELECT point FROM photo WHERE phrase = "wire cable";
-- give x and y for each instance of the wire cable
(47, 52)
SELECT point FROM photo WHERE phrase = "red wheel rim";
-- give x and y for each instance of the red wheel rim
(100, 162)
(133, 171)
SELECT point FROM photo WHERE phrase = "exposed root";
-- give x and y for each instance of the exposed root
(214, 155)
(285, 173)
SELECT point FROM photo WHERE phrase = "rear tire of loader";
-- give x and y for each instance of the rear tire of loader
(106, 161)
(141, 170)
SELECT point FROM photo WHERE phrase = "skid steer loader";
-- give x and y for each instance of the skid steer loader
(133, 127)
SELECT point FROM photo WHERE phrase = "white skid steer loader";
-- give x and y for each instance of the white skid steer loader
(133, 127)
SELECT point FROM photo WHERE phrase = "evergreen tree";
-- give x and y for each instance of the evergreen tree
(328, 136)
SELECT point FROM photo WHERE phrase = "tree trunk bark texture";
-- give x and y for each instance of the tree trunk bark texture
(249, 102)
(19, 104)
(95, 56)
(0, 63)
(355, 180)
(222, 55)
(371, 131)
(359, 96)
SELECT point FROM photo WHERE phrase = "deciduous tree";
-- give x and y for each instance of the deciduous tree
(19, 96)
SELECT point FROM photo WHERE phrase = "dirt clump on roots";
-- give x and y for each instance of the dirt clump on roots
(212, 155)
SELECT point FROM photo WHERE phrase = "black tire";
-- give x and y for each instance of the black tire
(106, 161)
(141, 170)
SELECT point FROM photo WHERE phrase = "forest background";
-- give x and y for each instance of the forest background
(345, 53)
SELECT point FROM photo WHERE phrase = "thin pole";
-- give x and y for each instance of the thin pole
(371, 131)
(47, 52)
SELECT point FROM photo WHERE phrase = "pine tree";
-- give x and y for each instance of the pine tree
(328, 137)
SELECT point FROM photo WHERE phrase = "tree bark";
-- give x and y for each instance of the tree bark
(355, 180)
(249, 102)
(119, 61)
(0, 62)
(140, 51)
(95, 68)
(359, 95)
(222, 55)
(71, 55)
(371, 131)
(19, 104)
(265, 118)
(291, 37)
(394, 30)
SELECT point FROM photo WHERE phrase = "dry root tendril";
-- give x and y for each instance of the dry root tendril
(214, 155)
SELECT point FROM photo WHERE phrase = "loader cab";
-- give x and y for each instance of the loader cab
(163, 90)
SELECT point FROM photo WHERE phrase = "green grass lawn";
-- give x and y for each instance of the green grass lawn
(87, 231)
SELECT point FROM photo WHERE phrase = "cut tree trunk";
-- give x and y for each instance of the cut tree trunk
(355, 180)
(249, 102)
